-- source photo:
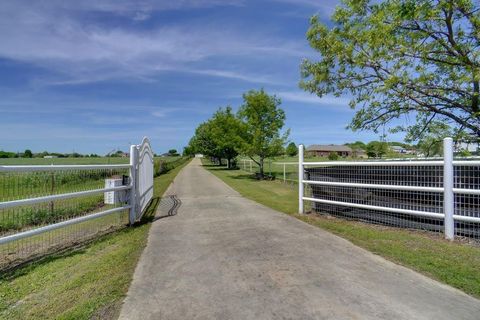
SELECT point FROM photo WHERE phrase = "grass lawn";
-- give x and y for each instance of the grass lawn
(86, 283)
(453, 263)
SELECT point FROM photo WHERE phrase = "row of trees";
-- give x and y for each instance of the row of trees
(255, 131)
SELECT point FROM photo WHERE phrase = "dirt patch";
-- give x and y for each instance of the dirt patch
(108, 312)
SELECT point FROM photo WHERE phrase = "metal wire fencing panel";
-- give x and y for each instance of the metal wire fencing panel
(467, 199)
(38, 204)
(359, 193)
(440, 195)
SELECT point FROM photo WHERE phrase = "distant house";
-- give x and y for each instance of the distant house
(398, 149)
(49, 157)
(318, 150)
(198, 155)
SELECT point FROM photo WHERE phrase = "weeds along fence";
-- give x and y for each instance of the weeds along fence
(440, 195)
(44, 208)
(162, 166)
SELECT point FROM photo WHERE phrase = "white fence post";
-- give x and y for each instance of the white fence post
(448, 196)
(284, 174)
(300, 178)
(133, 183)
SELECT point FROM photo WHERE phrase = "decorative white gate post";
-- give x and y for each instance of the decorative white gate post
(141, 179)
(300, 178)
(133, 183)
(448, 195)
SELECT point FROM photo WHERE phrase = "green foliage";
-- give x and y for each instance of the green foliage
(28, 153)
(398, 58)
(377, 149)
(357, 145)
(172, 152)
(333, 156)
(263, 120)
(291, 149)
(219, 137)
(161, 166)
(254, 131)
(431, 142)
(5, 154)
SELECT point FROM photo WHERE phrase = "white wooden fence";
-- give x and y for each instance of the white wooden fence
(49, 206)
(439, 195)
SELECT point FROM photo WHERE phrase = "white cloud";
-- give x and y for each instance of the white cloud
(54, 36)
(324, 8)
(304, 97)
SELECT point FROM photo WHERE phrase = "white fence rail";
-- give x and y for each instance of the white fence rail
(442, 196)
(47, 207)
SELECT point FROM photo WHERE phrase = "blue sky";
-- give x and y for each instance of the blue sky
(91, 76)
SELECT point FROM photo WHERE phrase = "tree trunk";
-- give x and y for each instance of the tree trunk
(229, 163)
(261, 168)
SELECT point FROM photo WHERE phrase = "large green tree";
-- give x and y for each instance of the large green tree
(263, 121)
(227, 132)
(418, 59)
(376, 149)
(291, 149)
(219, 137)
(28, 153)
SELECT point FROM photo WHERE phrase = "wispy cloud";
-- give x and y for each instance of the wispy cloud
(55, 38)
(323, 8)
(304, 97)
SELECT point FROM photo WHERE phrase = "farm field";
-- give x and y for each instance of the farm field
(71, 161)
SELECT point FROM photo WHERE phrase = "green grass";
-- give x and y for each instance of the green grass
(81, 284)
(456, 264)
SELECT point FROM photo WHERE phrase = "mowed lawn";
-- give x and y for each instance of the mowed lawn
(456, 264)
(87, 283)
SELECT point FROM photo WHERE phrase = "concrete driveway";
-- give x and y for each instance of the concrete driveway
(225, 257)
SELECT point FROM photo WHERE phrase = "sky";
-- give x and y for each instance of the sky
(92, 76)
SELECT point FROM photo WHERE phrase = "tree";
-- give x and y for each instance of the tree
(431, 142)
(263, 120)
(333, 156)
(376, 149)
(227, 132)
(202, 141)
(173, 152)
(219, 137)
(398, 58)
(291, 149)
(28, 153)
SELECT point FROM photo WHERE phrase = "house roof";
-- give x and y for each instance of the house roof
(330, 147)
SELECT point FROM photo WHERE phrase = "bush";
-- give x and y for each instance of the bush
(333, 156)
